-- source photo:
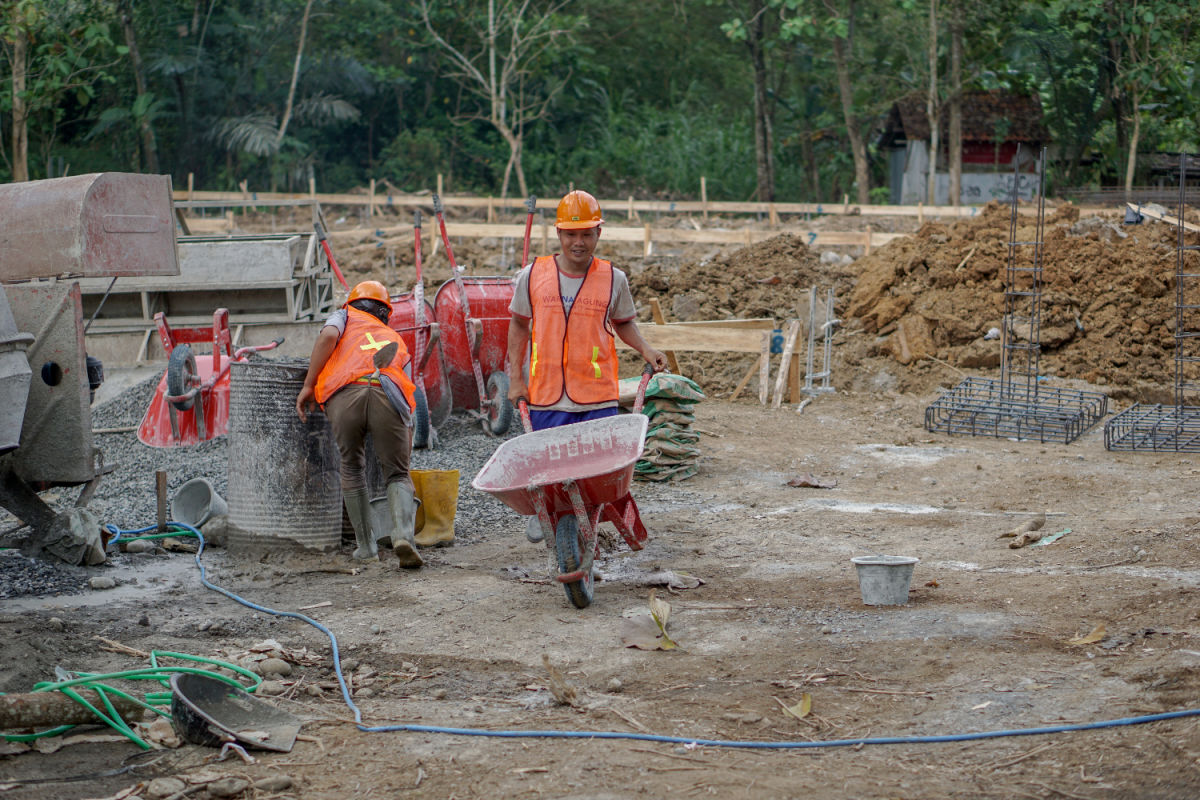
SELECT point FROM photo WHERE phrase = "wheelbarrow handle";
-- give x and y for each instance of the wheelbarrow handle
(523, 407)
(647, 374)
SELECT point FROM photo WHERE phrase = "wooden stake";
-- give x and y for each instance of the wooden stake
(772, 216)
(191, 186)
(867, 251)
(647, 245)
(312, 188)
(491, 209)
(745, 380)
(371, 200)
(764, 368)
(789, 344)
(439, 185)
(160, 490)
(704, 195)
(659, 319)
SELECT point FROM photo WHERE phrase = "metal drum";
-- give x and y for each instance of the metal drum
(488, 299)
(284, 488)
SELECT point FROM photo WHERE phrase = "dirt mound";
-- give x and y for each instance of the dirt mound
(1107, 305)
(927, 302)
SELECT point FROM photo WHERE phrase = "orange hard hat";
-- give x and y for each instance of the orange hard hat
(577, 210)
(370, 290)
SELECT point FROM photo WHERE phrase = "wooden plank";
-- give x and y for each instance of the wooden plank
(631, 207)
(659, 319)
(754, 323)
(785, 362)
(1145, 212)
(745, 380)
(764, 368)
(693, 339)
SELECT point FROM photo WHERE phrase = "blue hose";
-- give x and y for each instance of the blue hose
(644, 737)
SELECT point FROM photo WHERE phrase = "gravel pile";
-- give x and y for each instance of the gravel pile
(126, 498)
(31, 577)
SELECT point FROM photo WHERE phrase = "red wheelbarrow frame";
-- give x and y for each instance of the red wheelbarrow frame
(475, 344)
(590, 500)
(201, 412)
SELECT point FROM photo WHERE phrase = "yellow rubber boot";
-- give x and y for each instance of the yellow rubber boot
(438, 490)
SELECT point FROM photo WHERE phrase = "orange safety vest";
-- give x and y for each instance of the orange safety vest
(573, 354)
(352, 358)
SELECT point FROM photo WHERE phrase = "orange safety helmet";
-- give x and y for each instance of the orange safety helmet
(578, 210)
(369, 290)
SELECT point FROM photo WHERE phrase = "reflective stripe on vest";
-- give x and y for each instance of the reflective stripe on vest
(573, 355)
(353, 357)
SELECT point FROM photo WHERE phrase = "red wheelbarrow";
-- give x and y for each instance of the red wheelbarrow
(474, 315)
(422, 338)
(413, 318)
(191, 403)
(573, 477)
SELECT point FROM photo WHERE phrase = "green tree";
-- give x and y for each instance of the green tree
(504, 57)
(57, 55)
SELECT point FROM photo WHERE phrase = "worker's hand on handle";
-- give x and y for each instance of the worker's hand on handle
(656, 358)
(517, 388)
(304, 402)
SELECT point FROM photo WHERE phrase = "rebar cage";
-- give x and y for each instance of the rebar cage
(1160, 427)
(1017, 406)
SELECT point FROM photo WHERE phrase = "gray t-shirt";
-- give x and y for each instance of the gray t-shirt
(620, 309)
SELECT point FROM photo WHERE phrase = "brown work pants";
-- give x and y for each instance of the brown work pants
(356, 410)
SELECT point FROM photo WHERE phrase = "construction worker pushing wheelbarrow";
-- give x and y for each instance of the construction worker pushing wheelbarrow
(567, 309)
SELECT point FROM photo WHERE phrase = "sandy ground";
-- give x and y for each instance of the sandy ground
(983, 644)
(482, 639)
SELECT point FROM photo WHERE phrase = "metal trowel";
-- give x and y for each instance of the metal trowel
(383, 357)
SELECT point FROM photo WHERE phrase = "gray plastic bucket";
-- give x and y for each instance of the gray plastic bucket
(884, 580)
(196, 502)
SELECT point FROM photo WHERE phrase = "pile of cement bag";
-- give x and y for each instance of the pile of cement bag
(671, 445)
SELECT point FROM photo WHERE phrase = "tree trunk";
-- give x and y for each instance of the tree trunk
(858, 147)
(20, 112)
(956, 98)
(764, 156)
(1131, 164)
(291, 96)
(933, 107)
(149, 147)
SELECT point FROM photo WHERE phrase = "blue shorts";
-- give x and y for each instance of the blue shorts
(553, 419)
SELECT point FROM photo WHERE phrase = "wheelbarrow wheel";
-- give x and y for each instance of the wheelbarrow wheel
(500, 408)
(181, 368)
(420, 420)
(567, 546)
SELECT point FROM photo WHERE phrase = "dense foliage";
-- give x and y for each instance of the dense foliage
(623, 97)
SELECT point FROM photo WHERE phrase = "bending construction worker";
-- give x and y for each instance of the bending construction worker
(566, 311)
(361, 396)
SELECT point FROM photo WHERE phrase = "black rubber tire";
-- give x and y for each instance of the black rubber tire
(567, 545)
(500, 414)
(420, 420)
(181, 366)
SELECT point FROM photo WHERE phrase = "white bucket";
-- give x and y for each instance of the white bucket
(884, 580)
(196, 502)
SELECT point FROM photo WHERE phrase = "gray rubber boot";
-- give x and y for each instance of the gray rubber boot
(358, 509)
(403, 506)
